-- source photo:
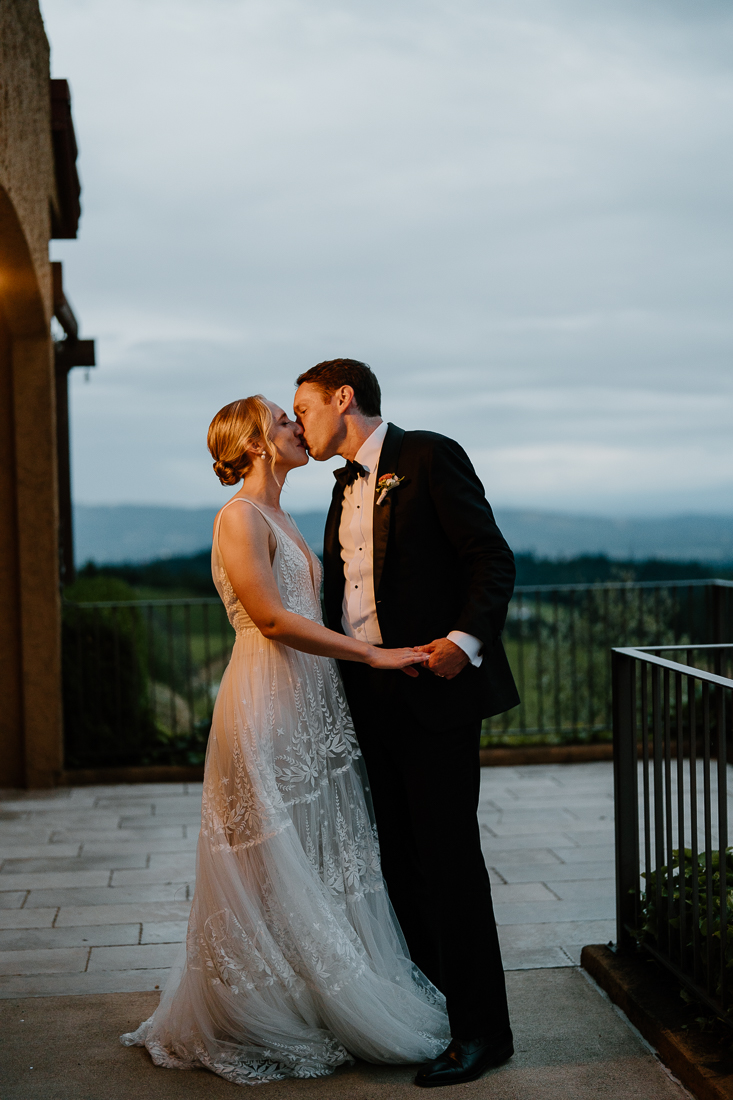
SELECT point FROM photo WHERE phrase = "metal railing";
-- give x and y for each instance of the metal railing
(140, 677)
(559, 640)
(674, 872)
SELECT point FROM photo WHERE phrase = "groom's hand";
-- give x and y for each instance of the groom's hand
(446, 658)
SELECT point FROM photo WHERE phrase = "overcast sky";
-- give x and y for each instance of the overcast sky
(518, 212)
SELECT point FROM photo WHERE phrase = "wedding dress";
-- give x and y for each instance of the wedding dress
(294, 963)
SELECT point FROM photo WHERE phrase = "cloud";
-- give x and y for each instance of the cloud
(519, 215)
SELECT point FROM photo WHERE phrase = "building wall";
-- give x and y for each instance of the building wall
(30, 661)
(26, 153)
(11, 712)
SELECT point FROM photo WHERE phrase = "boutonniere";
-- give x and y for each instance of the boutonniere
(385, 484)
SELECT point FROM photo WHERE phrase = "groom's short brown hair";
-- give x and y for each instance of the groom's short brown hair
(330, 375)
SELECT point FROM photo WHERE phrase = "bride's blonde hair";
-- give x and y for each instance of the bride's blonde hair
(234, 427)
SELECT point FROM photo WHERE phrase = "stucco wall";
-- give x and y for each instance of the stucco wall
(30, 634)
(26, 154)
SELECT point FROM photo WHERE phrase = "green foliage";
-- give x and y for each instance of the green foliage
(688, 876)
(188, 749)
(93, 587)
(189, 575)
(107, 719)
(559, 648)
(599, 568)
(139, 680)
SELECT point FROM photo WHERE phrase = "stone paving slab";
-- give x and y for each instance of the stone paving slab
(148, 956)
(106, 895)
(10, 850)
(27, 918)
(168, 931)
(12, 899)
(521, 891)
(517, 842)
(184, 818)
(591, 837)
(532, 936)
(185, 807)
(19, 832)
(584, 890)
(91, 836)
(54, 880)
(79, 817)
(117, 913)
(570, 1045)
(529, 857)
(126, 792)
(82, 935)
(14, 865)
(137, 847)
(535, 958)
(603, 798)
(526, 819)
(556, 872)
(523, 826)
(81, 985)
(60, 960)
(556, 912)
(587, 852)
(177, 868)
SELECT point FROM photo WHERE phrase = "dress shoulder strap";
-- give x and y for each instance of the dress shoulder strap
(242, 500)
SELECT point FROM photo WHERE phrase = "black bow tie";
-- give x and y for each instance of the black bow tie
(348, 474)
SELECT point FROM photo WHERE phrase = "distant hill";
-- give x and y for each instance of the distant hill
(675, 538)
(147, 532)
(143, 533)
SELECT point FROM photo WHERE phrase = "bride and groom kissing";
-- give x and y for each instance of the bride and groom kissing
(342, 907)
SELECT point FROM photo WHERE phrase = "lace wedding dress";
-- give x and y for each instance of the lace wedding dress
(294, 963)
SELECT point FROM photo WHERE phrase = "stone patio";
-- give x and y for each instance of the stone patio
(95, 888)
(96, 882)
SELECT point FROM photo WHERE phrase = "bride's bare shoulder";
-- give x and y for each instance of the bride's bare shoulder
(240, 517)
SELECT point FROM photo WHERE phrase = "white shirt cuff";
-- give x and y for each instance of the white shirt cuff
(469, 645)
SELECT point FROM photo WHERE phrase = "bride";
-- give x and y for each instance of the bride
(294, 963)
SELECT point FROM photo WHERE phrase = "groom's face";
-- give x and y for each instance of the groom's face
(321, 418)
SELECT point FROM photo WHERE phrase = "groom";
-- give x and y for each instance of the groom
(412, 555)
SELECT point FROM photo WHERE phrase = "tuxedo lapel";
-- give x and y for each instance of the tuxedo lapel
(333, 568)
(331, 545)
(388, 460)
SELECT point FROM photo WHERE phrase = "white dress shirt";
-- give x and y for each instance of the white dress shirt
(359, 609)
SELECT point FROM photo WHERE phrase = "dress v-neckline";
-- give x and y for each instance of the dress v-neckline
(282, 530)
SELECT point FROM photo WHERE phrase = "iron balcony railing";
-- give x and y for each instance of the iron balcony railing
(140, 677)
(674, 872)
(559, 640)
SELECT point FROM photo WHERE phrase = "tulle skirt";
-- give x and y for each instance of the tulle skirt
(294, 963)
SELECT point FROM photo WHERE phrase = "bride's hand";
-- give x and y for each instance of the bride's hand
(397, 658)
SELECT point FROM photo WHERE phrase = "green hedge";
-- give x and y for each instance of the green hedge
(656, 924)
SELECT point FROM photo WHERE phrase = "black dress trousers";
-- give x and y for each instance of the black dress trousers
(425, 788)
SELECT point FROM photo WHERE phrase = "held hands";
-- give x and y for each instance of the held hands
(445, 658)
(398, 658)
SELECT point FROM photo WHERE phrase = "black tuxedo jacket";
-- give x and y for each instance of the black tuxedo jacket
(440, 564)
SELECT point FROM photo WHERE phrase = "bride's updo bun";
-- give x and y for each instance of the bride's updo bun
(229, 473)
(232, 430)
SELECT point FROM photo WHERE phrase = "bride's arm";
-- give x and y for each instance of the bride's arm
(247, 544)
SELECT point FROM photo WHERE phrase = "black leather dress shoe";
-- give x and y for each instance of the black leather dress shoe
(464, 1060)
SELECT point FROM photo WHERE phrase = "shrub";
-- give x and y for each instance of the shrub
(657, 925)
(107, 720)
